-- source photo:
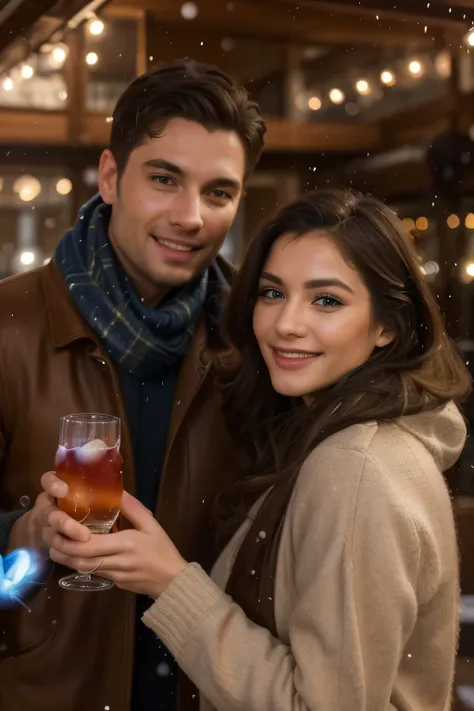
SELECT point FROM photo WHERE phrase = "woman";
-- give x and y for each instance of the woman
(343, 574)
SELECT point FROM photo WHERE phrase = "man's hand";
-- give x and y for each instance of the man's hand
(28, 531)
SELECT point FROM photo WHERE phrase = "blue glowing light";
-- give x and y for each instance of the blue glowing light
(18, 571)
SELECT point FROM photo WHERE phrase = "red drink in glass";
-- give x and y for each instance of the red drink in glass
(93, 474)
(88, 460)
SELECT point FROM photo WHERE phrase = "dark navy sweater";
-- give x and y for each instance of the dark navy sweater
(148, 404)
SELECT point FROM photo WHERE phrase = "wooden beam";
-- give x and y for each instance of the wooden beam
(435, 14)
(270, 19)
(40, 127)
(282, 136)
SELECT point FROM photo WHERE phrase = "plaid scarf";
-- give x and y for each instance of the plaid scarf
(143, 340)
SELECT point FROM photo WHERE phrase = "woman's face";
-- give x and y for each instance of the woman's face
(313, 318)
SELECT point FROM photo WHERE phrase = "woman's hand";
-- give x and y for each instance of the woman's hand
(143, 560)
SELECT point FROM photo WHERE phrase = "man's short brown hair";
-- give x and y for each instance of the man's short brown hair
(189, 90)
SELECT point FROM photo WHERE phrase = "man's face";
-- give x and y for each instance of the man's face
(174, 203)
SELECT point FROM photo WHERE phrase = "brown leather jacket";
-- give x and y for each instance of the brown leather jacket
(74, 651)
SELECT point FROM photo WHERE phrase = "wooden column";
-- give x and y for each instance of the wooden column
(142, 42)
(76, 79)
(294, 85)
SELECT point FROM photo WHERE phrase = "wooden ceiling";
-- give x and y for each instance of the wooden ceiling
(310, 21)
(440, 12)
(260, 43)
(27, 24)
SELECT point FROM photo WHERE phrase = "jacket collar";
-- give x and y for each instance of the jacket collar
(67, 324)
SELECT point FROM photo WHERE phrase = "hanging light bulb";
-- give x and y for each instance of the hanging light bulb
(363, 87)
(27, 257)
(27, 187)
(431, 268)
(388, 78)
(422, 224)
(7, 84)
(415, 68)
(27, 71)
(63, 186)
(453, 222)
(470, 37)
(59, 54)
(189, 10)
(96, 26)
(314, 103)
(92, 58)
(336, 96)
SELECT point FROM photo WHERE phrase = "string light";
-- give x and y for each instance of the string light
(27, 187)
(63, 186)
(431, 268)
(92, 58)
(8, 84)
(189, 10)
(387, 77)
(59, 54)
(27, 71)
(470, 221)
(470, 38)
(96, 26)
(27, 258)
(453, 222)
(422, 224)
(314, 103)
(415, 68)
(363, 87)
(470, 269)
(336, 96)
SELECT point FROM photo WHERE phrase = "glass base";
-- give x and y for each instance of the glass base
(91, 583)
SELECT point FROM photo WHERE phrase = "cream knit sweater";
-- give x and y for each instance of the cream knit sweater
(366, 592)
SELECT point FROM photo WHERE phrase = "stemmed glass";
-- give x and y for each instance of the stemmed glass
(88, 460)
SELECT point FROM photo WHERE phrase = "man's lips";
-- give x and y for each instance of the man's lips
(178, 245)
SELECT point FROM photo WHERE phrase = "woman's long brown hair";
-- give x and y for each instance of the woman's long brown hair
(419, 370)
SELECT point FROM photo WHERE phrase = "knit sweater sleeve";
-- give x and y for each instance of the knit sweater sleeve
(357, 550)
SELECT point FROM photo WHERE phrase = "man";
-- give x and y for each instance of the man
(123, 321)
